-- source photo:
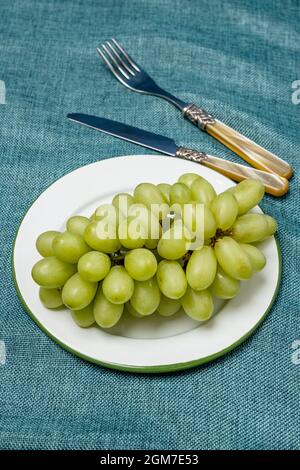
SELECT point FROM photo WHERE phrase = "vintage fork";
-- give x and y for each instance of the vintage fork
(131, 75)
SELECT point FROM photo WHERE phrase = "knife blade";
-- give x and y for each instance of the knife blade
(137, 136)
(274, 184)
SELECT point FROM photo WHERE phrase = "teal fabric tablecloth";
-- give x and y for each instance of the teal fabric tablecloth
(236, 58)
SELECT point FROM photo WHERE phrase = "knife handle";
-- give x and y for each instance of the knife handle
(273, 183)
(251, 152)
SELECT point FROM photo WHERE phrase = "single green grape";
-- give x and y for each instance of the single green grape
(140, 264)
(188, 179)
(180, 193)
(250, 228)
(118, 286)
(257, 258)
(224, 286)
(78, 293)
(233, 259)
(150, 195)
(168, 307)
(94, 266)
(225, 210)
(109, 215)
(174, 242)
(69, 247)
(148, 219)
(199, 220)
(44, 243)
(101, 236)
(272, 225)
(248, 194)
(85, 317)
(210, 225)
(202, 191)
(51, 272)
(50, 298)
(198, 305)
(165, 190)
(122, 202)
(132, 233)
(106, 313)
(77, 224)
(201, 268)
(146, 297)
(171, 279)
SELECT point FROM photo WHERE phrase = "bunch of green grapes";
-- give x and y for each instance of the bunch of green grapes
(138, 253)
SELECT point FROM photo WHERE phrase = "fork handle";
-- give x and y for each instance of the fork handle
(273, 183)
(251, 152)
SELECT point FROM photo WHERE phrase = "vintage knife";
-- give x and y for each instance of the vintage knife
(274, 184)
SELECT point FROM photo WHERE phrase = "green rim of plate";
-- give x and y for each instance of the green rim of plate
(146, 369)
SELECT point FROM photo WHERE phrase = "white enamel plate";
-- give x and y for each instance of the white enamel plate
(152, 344)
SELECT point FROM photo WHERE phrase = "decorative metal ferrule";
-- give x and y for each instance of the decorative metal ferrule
(198, 116)
(192, 155)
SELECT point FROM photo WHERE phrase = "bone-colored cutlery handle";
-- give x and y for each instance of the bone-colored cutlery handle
(251, 152)
(273, 183)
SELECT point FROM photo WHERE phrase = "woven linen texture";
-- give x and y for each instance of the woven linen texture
(236, 59)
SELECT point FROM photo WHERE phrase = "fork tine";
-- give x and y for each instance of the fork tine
(108, 63)
(117, 55)
(119, 67)
(129, 59)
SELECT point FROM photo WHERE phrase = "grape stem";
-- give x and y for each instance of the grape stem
(219, 234)
(185, 259)
(117, 258)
